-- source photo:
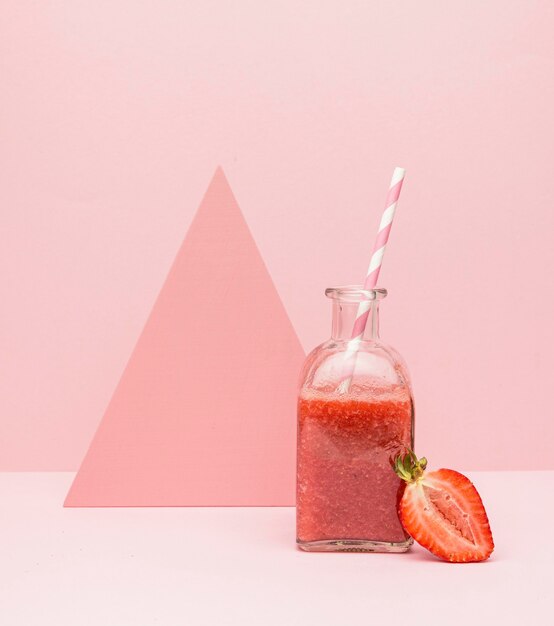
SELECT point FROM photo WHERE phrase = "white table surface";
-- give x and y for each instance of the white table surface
(219, 566)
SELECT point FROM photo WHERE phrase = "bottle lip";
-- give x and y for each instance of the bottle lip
(355, 293)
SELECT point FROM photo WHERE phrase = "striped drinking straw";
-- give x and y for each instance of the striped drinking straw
(371, 278)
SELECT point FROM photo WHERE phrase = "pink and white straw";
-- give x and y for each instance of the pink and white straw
(372, 276)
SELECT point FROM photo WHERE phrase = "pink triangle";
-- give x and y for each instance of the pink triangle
(204, 413)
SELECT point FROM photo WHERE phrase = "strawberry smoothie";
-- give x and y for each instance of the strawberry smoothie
(346, 488)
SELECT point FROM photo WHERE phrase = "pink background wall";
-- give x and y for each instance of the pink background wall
(114, 116)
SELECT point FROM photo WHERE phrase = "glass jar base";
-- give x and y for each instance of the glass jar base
(354, 545)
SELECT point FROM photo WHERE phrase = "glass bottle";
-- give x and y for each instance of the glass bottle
(347, 493)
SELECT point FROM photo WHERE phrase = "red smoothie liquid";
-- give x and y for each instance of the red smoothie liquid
(346, 488)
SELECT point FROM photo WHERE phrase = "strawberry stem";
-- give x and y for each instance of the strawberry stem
(408, 467)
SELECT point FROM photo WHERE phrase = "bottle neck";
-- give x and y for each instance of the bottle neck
(345, 315)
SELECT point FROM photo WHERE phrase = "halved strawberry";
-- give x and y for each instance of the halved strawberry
(443, 512)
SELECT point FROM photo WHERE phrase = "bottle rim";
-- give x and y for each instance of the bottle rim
(355, 293)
